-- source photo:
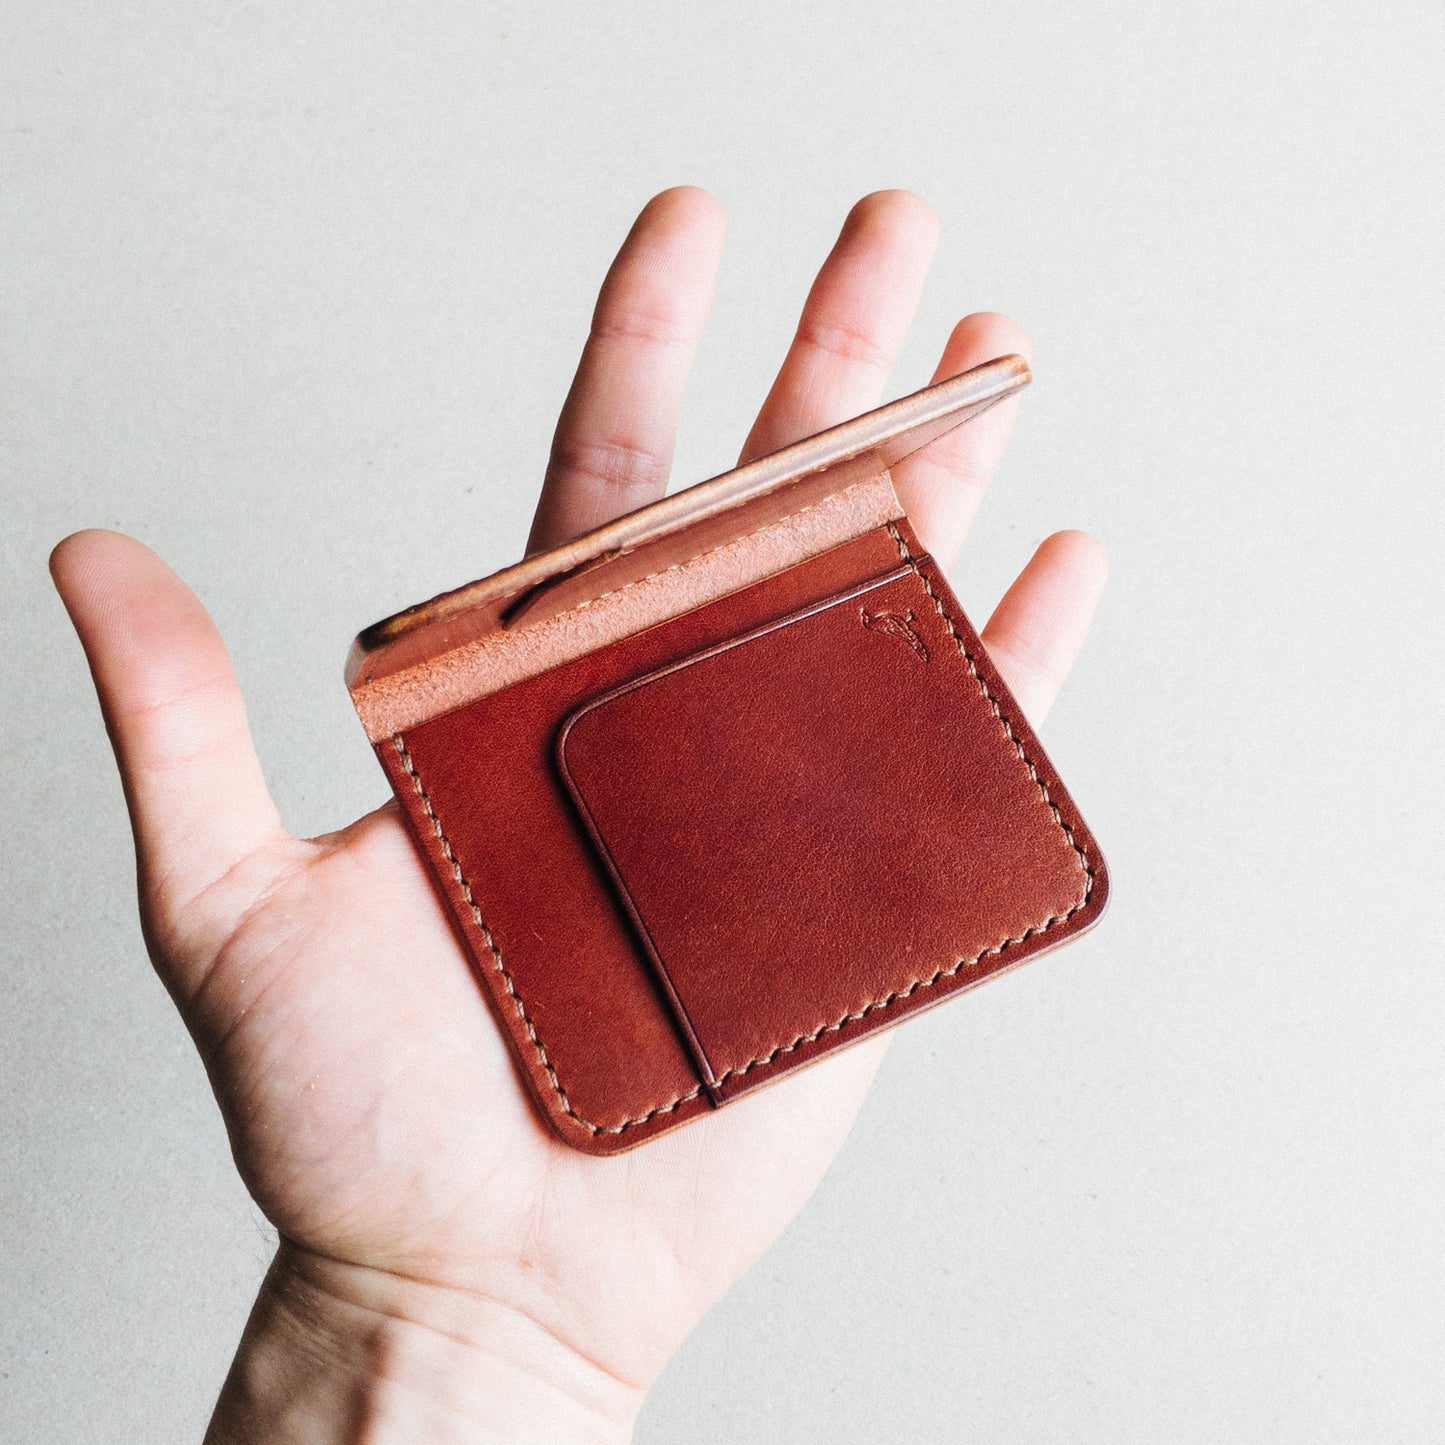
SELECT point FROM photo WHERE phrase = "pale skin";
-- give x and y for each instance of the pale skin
(447, 1269)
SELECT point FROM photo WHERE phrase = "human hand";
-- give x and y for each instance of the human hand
(447, 1268)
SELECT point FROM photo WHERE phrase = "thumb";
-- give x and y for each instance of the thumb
(198, 803)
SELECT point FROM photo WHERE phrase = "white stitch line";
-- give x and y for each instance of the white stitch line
(471, 902)
(1003, 722)
(890, 999)
(708, 552)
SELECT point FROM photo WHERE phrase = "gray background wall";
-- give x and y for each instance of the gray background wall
(293, 293)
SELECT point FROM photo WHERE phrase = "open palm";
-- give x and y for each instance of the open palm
(373, 1108)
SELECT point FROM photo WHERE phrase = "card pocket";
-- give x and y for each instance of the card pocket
(826, 822)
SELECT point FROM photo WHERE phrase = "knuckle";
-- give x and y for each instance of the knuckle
(610, 465)
(638, 326)
(845, 342)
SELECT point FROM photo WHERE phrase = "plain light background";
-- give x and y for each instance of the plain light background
(293, 294)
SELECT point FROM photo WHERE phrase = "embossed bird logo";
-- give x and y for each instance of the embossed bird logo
(896, 626)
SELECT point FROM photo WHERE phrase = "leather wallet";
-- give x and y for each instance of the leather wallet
(727, 783)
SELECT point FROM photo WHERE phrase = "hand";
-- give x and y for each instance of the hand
(446, 1268)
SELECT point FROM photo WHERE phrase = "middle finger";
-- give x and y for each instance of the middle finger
(613, 445)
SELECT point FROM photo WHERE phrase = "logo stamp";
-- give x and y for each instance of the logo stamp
(896, 625)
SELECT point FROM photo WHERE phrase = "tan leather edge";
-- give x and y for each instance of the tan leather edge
(463, 674)
(864, 446)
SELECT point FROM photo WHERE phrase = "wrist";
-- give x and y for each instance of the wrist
(341, 1352)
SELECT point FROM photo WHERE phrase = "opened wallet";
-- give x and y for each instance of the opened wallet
(726, 783)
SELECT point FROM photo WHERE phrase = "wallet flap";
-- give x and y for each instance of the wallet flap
(832, 818)
(638, 569)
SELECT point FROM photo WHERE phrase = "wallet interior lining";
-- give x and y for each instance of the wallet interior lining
(477, 664)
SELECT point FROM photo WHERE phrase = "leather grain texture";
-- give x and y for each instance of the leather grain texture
(703, 855)
(838, 846)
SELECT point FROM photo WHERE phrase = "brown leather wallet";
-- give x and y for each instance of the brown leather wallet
(726, 783)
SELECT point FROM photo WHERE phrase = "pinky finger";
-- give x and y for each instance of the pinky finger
(1039, 626)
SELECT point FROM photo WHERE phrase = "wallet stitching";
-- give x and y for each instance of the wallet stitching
(487, 646)
(1056, 920)
(501, 967)
(876, 1005)
(708, 551)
